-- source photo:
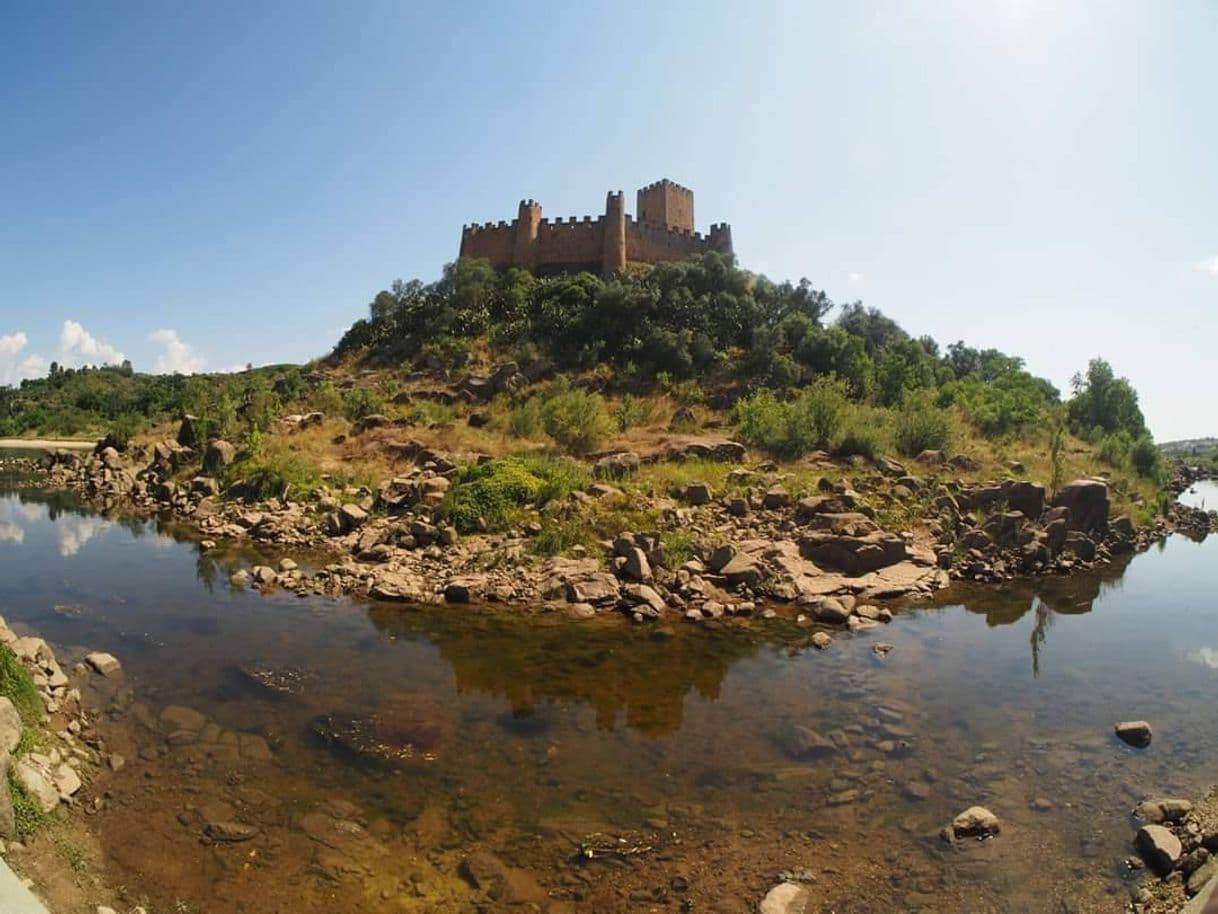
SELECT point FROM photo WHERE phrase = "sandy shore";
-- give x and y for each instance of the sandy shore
(45, 443)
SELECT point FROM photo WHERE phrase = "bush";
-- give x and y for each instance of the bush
(632, 411)
(1144, 457)
(1115, 448)
(525, 420)
(489, 494)
(266, 477)
(360, 402)
(577, 420)
(921, 427)
(863, 435)
(793, 428)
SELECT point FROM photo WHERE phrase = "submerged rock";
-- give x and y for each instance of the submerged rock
(974, 822)
(1134, 732)
(786, 898)
(407, 727)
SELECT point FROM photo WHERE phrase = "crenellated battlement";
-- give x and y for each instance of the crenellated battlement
(662, 230)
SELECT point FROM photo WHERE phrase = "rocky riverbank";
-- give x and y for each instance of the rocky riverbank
(1177, 841)
(824, 556)
(54, 764)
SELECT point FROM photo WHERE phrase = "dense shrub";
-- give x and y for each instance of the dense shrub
(1144, 457)
(1114, 449)
(577, 420)
(489, 494)
(791, 428)
(863, 435)
(919, 426)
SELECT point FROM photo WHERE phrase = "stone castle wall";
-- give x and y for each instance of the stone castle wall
(605, 244)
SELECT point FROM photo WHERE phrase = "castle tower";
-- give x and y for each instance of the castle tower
(665, 204)
(524, 245)
(613, 257)
(720, 238)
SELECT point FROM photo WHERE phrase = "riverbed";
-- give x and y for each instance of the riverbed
(614, 767)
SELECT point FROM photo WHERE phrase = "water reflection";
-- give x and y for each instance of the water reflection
(637, 679)
(1207, 656)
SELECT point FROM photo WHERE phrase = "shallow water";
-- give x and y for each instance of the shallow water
(529, 735)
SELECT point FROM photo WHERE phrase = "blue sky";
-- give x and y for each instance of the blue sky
(199, 185)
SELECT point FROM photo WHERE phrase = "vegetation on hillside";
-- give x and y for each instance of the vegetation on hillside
(678, 346)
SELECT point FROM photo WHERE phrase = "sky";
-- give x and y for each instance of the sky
(200, 185)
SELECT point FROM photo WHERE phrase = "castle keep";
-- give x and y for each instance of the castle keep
(662, 231)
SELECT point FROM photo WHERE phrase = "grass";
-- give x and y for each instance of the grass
(73, 853)
(26, 811)
(17, 686)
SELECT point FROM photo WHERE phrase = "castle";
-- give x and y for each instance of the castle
(663, 231)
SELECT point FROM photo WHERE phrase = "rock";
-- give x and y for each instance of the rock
(1159, 848)
(37, 781)
(822, 640)
(637, 568)
(853, 554)
(616, 466)
(10, 727)
(831, 611)
(239, 578)
(786, 898)
(1087, 502)
(595, 588)
(103, 663)
(188, 432)
(230, 832)
(1165, 809)
(776, 498)
(1134, 732)
(804, 742)
(1202, 876)
(742, 569)
(177, 717)
(461, 590)
(8, 819)
(645, 595)
(352, 516)
(502, 883)
(264, 575)
(1205, 899)
(974, 822)
(696, 493)
(67, 781)
(218, 455)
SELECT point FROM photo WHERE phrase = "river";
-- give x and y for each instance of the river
(706, 762)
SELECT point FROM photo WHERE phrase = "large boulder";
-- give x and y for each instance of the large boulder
(1087, 502)
(853, 554)
(218, 455)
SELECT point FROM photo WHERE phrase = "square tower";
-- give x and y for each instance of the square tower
(666, 205)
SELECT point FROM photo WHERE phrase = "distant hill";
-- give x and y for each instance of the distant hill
(1189, 447)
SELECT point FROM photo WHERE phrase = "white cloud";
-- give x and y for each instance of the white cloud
(10, 532)
(179, 356)
(1209, 265)
(77, 346)
(14, 367)
(854, 277)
